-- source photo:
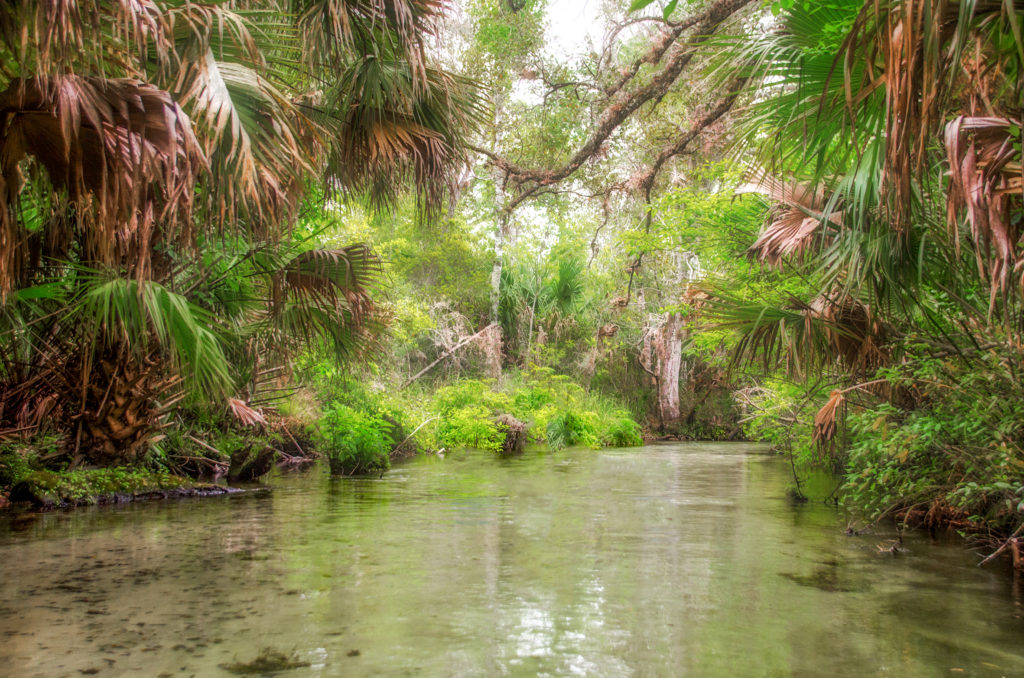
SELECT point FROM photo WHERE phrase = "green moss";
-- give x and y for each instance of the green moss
(14, 467)
(19, 458)
(84, 486)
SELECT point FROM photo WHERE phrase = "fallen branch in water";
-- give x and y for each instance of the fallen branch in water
(416, 430)
(1012, 544)
(295, 442)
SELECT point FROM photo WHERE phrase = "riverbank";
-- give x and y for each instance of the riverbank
(47, 490)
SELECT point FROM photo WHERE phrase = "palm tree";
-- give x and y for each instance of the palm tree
(859, 111)
(156, 153)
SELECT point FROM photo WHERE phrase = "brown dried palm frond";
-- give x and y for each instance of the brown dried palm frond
(854, 334)
(986, 181)
(81, 36)
(825, 421)
(246, 416)
(796, 221)
(258, 142)
(831, 331)
(918, 48)
(121, 151)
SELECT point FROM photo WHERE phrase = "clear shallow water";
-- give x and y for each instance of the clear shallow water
(671, 560)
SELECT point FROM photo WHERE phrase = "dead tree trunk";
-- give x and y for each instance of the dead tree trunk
(515, 435)
(668, 347)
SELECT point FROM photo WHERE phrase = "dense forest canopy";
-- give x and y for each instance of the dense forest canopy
(401, 225)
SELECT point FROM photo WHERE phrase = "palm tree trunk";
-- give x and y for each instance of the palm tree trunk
(119, 412)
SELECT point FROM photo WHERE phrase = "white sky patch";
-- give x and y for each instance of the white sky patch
(574, 26)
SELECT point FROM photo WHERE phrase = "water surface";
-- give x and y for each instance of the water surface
(668, 560)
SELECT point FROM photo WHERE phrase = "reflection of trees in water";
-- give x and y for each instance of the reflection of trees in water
(664, 561)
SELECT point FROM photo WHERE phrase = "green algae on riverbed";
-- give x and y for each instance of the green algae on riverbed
(268, 661)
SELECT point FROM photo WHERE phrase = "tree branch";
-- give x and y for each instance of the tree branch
(444, 355)
(624, 103)
(646, 182)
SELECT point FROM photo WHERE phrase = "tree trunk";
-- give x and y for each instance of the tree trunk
(501, 219)
(118, 404)
(491, 342)
(668, 347)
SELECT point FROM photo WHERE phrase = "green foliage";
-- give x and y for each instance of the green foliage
(622, 431)
(354, 442)
(779, 411)
(568, 429)
(470, 426)
(957, 456)
(19, 459)
(505, 35)
(471, 392)
(467, 410)
(565, 289)
(557, 411)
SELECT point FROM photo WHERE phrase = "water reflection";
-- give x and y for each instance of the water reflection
(668, 560)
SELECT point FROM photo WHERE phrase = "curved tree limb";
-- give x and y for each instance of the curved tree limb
(646, 181)
(624, 102)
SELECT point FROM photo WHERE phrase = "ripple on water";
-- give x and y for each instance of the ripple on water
(675, 559)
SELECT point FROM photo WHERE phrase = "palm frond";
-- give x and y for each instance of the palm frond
(565, 290)
(834, 330)
(139, 314)
(987, 183)
(79, 36)
(122, 151)
(251, 131)
(328, 294)
(798, 219)
(385, 129)
(331, 29)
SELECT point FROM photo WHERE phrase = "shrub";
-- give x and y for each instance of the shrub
(622, 431)
(471, 426)
(557, 411)
(354, 442)
(956, 458)
(532, 398)
(568, 429)
(452, 398)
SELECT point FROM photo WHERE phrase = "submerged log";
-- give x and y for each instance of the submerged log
(515, 434)
(26, 493)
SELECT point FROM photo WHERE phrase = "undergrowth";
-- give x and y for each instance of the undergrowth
(358, 428)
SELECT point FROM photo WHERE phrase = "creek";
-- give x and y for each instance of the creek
(666, 560)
